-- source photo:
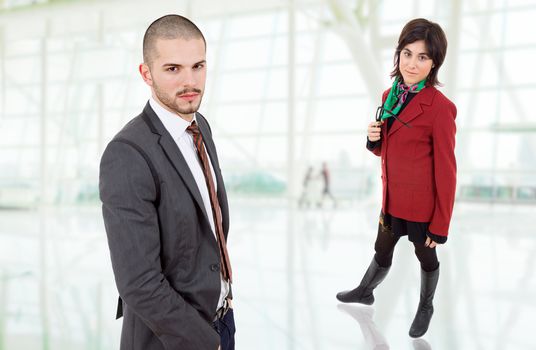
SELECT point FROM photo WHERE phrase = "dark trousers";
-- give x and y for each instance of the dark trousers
(385, 246)
(225, 327)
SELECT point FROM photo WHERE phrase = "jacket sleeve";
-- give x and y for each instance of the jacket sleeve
(127, 191)
(443, 134)
(375, 146)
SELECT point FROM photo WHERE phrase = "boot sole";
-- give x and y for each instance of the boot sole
(369, 301)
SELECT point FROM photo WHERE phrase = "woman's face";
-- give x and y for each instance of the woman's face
(414, 63)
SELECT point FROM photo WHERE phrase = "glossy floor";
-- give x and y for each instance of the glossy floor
(57, 289)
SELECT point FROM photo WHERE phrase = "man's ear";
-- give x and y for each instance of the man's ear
(146, 74)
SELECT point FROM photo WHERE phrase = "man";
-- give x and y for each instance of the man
(165, 207)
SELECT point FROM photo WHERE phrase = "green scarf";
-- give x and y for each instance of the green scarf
(397, 96)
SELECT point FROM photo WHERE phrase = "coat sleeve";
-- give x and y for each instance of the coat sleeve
(127, 191)
(443, 134)
(375, 147)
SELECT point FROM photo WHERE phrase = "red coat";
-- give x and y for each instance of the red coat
(418, 163)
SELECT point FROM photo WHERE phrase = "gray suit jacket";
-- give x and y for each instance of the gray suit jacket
(164, 255)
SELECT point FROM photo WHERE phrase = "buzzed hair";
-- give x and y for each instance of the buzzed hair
(168, 27)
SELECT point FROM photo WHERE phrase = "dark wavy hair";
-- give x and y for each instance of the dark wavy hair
(435, 41)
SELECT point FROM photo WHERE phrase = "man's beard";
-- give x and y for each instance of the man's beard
(171, 104)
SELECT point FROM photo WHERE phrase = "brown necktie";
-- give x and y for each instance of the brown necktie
(193, 129)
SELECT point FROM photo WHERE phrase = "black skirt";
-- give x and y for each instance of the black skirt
(416, 231)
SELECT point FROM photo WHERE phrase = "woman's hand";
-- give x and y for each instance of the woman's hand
(429, 243)
(374, 131)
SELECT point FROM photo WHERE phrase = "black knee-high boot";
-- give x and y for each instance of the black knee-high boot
(363, 293)
(426, 308)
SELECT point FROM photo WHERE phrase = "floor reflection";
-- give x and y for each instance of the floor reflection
(421, 344)
(57, 262)
(363, 315)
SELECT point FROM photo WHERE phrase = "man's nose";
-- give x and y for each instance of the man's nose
(188, 78)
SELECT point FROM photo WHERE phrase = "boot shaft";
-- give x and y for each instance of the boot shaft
(374, 276)
(428, 285)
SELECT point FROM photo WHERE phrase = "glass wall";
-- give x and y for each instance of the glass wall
(70, 81)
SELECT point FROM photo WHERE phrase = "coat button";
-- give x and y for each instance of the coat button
(214, 267)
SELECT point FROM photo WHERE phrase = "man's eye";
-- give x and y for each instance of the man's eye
(198, 66)
(172, 69)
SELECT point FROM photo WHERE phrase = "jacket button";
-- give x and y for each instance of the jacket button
(214, 267)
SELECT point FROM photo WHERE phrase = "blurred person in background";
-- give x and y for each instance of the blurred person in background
(305, 197)
(414, 134)
(325, 174)
(165, 206)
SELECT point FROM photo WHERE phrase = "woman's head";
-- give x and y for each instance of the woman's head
(421, 50)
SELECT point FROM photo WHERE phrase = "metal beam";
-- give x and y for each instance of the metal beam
(291, 188)
(454, 27)
(312, 99)
(3, 85)
(3, 307)
(350, 30)
(43, 283)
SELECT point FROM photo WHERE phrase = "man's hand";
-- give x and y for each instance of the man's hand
(374, 131)
(429, 243)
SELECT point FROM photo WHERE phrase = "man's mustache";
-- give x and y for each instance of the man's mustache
(185, 91)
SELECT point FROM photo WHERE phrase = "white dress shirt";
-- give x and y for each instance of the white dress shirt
(176, 126)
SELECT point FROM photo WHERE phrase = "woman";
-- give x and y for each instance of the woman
(414, 136)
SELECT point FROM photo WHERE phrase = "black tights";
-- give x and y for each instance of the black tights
(385, 246)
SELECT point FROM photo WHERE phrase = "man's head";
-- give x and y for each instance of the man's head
(174, 54)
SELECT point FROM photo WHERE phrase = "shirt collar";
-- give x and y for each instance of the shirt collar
(173, 123)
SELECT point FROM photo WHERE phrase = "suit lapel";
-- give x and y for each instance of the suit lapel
(213, 156)
(414, 108)
(209, 146)
(174, 155)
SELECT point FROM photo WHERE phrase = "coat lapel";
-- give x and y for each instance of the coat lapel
(211, 150)
(174, 155)
(209, 146)
(414, 108)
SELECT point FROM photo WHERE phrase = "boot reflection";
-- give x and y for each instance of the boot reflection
(363, 315)
(421, 344)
